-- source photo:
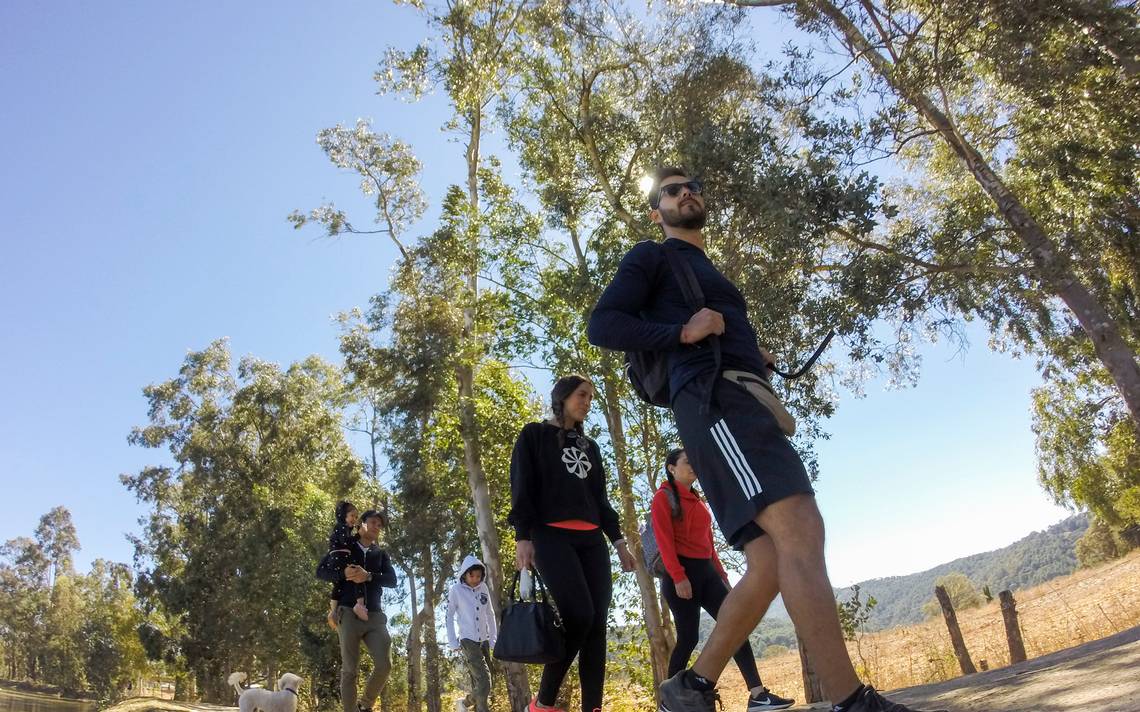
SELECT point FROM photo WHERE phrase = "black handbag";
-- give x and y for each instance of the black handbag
(531, 631)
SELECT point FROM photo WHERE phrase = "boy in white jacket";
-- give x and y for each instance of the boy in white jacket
(469, 601)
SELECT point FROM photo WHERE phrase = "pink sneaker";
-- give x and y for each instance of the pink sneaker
(533, 707)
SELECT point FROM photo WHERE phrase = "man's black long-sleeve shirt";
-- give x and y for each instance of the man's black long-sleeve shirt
(644, 309)
(554, 481)
(377, 563)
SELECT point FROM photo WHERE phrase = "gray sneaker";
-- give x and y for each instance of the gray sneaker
(675, 697)
(768, 700)
(871, 701)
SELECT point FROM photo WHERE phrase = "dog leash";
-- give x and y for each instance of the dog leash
(810, 362)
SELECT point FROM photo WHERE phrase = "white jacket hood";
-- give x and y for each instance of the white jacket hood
(469, 562)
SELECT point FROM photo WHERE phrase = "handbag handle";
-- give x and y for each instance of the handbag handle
(539, 588)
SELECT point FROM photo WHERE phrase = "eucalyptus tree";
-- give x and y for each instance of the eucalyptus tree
(1014, 98)
(603, 103)
(472, 52)
(404, 349)
(1018, 123)
(24, 602)
(241, 513)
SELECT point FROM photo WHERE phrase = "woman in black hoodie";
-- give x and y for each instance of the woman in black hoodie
(562, 518)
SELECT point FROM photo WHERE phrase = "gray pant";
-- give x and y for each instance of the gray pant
(351, 631)
(478, 656)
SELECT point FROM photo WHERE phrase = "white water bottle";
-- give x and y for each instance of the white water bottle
(526, 584)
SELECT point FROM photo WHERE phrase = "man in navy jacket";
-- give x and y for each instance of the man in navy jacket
(376, 574)
(754, 479)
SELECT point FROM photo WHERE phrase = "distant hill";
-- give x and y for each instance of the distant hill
(1035, 559)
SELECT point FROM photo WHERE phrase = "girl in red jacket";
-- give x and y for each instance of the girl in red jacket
(695, 578)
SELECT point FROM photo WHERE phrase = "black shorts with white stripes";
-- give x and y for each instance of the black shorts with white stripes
(743, 460)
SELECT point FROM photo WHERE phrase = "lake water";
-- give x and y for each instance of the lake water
(18, 701)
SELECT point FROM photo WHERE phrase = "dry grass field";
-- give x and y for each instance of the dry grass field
(1085, 606)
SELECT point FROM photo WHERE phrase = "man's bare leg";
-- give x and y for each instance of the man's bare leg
(742, 609)
(793, 548)
(796, 529)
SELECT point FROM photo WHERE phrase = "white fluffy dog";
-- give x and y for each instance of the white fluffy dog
(252, 699)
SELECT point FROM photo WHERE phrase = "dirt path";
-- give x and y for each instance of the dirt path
(1101, 676)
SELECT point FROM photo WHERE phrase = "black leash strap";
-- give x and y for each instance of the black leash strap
(810, 362)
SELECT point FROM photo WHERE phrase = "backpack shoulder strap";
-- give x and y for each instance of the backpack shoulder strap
(686, 278)
(695, 298)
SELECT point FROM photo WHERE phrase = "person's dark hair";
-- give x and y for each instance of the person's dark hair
(343, 507)
(375, 513)
(563, 387)
(476, 567)
(671, 461)
(659, 175)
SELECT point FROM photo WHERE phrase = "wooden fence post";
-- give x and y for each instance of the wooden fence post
(1012, 629)
(813, 689)
(960, 651)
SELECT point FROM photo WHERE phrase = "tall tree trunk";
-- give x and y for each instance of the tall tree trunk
(518, 685)
(646, 585)
(415, 647)
(1056, 274)
(433, 691)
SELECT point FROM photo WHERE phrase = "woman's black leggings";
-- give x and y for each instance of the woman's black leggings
(576, 568)
(709, 591)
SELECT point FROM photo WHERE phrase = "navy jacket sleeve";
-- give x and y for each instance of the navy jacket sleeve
(383, 573)
(616, 322)
(524, 486)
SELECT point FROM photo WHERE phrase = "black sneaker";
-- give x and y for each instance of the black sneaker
(676, 697)
(767, 700)
(871, 701)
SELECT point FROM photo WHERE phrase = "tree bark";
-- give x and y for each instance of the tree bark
(1012, 629)
(813, 688)
(518, 685)
(956, 639)
(658, 645)
(433, 690)
(1052, 268)
(415, 647)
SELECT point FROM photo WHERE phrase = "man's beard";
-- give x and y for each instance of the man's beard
(690, 221)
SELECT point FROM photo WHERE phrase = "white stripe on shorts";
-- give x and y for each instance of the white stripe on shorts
(735, 459)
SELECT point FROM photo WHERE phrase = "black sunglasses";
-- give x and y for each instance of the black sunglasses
(674, 189)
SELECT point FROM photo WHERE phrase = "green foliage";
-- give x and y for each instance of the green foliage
(1101, 543)
(854, 613)
(258, 461)
(773, 651)
(1087, 452)
(961, 590)
(74, 632)
(1046, 95)
(389, 173)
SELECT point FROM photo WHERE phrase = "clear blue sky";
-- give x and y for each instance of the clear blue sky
(151, 152)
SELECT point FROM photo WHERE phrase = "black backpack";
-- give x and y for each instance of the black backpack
(648, 371)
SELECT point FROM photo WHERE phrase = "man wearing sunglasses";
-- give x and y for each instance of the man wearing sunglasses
(754, 480)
